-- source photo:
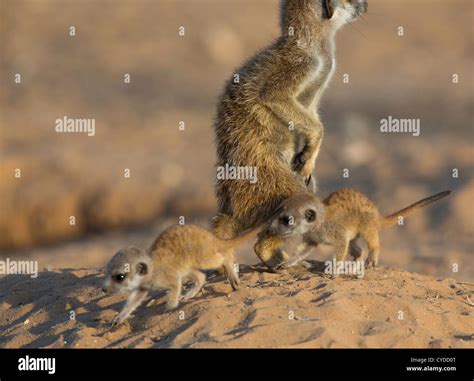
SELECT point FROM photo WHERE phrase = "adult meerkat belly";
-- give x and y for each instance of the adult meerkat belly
(311, 90)
(315, 82)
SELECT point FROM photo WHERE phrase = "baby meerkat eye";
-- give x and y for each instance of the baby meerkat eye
(119, 278)
(310, 215)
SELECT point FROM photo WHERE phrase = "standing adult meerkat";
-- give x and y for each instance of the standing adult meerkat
(340, 219)
(178, 255)
(267, 117)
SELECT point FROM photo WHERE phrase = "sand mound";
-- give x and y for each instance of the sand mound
(388, 308)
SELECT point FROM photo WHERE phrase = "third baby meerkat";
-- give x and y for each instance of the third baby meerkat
(179, 254)
(340, 219)
(267, 117)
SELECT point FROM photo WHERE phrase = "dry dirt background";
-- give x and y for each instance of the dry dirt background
(178, 79)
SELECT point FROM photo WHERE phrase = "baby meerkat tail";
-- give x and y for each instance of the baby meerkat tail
(245, 236)
(392, 219)
(248, 234)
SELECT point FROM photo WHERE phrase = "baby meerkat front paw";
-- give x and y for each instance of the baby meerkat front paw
(282, 266)
(117, 320)
(298, 269)
(295, 269)
(305, 264)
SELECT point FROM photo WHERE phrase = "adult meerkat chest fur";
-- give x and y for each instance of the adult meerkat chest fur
(319, 74)
(314, 24)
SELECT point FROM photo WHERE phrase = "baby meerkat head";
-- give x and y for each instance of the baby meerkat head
(127, 270)
(299, 215)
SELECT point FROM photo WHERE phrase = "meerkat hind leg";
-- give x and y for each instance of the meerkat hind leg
(373, 245)
(223, 227)
(198, 279)
(342, 250)
(355, 250)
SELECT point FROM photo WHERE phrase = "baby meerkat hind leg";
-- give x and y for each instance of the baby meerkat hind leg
(373, 244)
(224, 227)
(342, 249)
(355, 249)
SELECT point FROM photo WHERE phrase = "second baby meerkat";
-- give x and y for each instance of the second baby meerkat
(267, 117)
(178, 255)
(339, 220)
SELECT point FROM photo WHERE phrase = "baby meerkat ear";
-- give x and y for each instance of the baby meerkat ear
(142, 268)
(310, 215)
(133, 249)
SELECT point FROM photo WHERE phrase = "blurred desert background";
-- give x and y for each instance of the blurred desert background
(177, 79)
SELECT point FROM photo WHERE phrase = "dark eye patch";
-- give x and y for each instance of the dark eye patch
(119, 277)
(287, 220)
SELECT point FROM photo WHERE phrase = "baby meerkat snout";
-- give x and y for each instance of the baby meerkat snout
(292, 220)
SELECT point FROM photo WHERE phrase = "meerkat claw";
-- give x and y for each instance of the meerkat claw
(298, 162)
(115, 322)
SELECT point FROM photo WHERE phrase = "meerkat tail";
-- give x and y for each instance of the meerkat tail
(245, 236)
(248, 234)
(392, 219)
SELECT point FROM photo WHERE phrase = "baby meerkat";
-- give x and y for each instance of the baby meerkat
(338, 221)
(267, 117)
(178, 255)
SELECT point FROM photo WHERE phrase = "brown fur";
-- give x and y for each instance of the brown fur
(179, 254)
(278, 87)
(340, 219)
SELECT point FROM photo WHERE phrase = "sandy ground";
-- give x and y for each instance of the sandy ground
(388, 308)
